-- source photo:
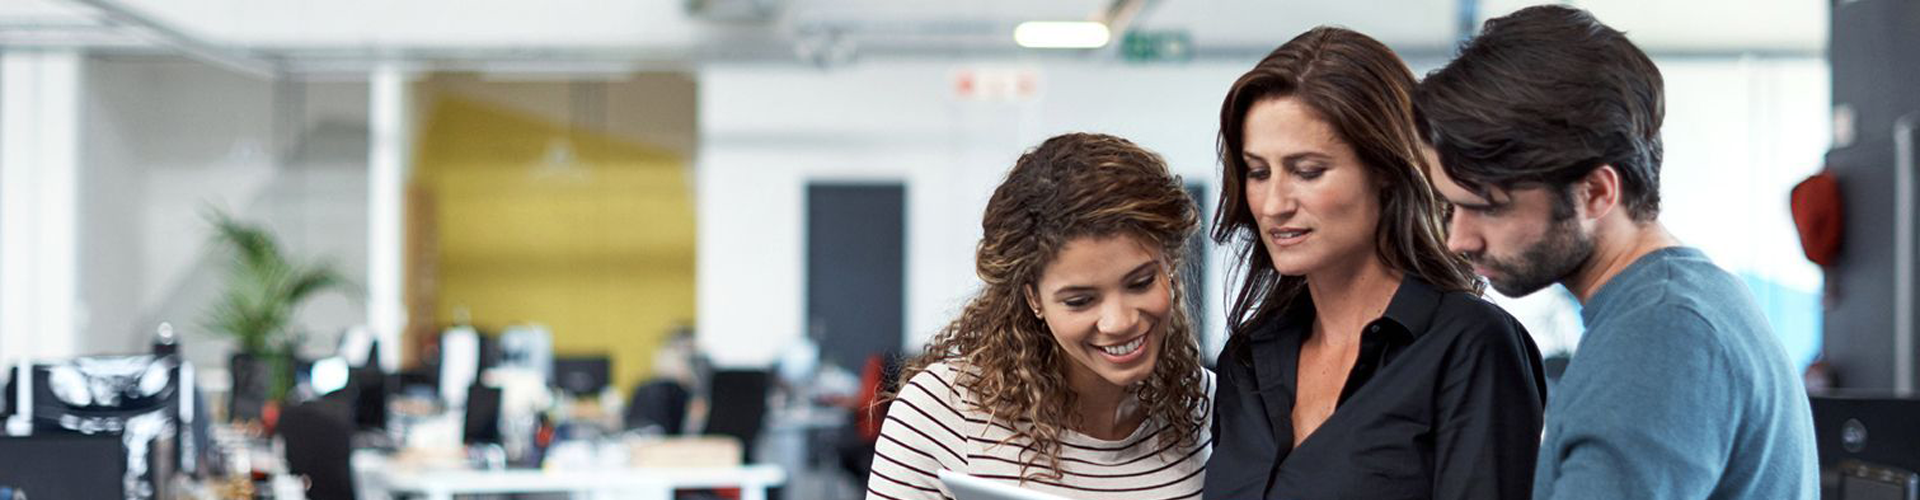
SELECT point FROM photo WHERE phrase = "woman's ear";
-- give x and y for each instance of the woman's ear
(1033, 300)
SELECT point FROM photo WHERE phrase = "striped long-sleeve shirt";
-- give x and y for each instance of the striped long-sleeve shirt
(933, 426)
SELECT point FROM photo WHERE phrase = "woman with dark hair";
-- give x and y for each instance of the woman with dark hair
(1362, 361)
(1075, 370)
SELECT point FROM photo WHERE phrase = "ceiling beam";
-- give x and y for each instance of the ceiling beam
(160, 33)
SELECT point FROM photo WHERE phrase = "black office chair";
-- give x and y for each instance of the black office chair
(318, 434)
(739, 406)
(658, 403)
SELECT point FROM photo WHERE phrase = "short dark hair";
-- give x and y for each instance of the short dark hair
(1542, 97)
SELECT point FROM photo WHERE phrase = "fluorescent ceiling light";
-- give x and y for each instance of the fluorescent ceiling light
(1061, 35)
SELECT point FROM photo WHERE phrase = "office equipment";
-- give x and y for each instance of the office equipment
(371, 389)
(639, 483)
(1868, 443)
(359, 346)
(528, 347)
(1871, 337)
(581, 375)
(459, 364)
(64, 466)
(738, 406)
(482, 418)
(1859, 481)
(659, 404)
(966, 487)
(137, 400)
(318, 434)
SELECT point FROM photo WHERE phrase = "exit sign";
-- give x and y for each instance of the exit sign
(1154, 46)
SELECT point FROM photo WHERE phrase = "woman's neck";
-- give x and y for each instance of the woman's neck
(1346, 297)
(1103, 410)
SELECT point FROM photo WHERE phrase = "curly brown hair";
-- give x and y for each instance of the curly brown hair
(1071, 186)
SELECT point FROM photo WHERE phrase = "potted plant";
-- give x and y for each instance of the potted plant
(264, 288)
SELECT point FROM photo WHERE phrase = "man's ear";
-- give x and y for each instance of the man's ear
(1598, 192)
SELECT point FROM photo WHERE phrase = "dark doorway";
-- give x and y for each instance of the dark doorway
(856, 270)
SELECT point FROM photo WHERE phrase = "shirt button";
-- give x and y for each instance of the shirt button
(1374, 329)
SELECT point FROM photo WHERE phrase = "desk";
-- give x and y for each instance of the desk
(376, 474)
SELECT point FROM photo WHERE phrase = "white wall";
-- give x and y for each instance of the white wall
(166, 140)
(1738, 134)
(768, 131)
(40, 145)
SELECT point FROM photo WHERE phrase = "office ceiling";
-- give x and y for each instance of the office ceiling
(343, 34)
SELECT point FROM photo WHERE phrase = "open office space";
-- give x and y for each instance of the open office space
(697, 248)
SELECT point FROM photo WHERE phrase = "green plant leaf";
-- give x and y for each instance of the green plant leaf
(264, 288)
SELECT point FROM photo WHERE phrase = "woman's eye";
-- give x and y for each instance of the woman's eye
(1258, 173)
(1142, 283)
(1309, 173)
(1077, 302)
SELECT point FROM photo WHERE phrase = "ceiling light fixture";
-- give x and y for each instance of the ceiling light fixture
(1061, 35)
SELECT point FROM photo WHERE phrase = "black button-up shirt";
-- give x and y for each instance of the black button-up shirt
(1444, 402)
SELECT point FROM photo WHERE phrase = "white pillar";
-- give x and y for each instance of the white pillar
(387, 150)
(39, 166)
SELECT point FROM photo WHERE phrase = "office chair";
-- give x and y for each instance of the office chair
(659, 403)
(739, 406)
(317, 434)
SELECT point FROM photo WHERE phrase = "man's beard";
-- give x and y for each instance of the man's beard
(1549, 260)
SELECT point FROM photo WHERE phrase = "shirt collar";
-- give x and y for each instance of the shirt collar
(1412, 308)
(1408, 314)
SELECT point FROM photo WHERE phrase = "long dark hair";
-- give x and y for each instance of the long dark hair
(1364, 92)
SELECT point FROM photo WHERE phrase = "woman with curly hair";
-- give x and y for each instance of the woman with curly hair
(1075, 369)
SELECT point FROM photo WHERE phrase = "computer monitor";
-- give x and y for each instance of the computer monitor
(482, 418)
(144, 401)
(581, 375)
(64, 466)
(371, 390)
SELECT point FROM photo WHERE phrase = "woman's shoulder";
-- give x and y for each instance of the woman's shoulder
(939, 381)
(1465, 309)
(1475, 322)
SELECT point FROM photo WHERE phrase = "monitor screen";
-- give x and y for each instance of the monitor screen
(581, 375)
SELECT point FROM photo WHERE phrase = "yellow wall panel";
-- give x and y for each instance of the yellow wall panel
(587, 234)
